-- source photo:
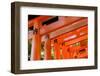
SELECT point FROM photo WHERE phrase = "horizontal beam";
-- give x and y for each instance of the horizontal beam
(83, 30)
(72, 34)
(38, 19)
(68, 28)
(62, 22)
(77, 40)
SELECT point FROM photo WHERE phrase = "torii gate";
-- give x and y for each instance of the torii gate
(52, 31)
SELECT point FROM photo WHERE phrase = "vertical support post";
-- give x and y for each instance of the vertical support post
(36, 41)
(57, 52)
(65, 51)
(47, 48)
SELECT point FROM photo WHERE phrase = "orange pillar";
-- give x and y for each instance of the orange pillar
(77, 49)
(84, 49)
(65, 52)
(47, 47)
(57, 53)
(74, 51)
(83, 52)
(37, 41)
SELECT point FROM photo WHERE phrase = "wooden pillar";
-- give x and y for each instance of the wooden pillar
(65, 51)
(57, 53)
(74, 51)
(47, 47)
(36, 42)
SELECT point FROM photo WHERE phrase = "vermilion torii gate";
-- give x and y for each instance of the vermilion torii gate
(66, 29)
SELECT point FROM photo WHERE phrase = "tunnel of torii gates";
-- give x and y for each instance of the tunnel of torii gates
(66, 35)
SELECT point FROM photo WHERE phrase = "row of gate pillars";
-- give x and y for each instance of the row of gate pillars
(66, 53)
(61, 51)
